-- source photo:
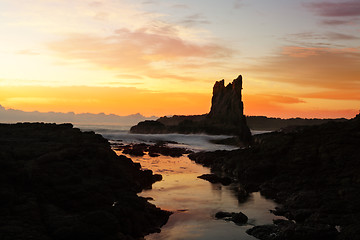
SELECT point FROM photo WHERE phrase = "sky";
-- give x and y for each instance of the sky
(298, 58)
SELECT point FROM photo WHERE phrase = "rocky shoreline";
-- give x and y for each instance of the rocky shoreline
(60, 183)
(314, 172)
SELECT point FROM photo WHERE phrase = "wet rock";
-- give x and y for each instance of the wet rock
(152, 154)
(238, 218)
(283, 229)
(153, 150)
(216, 179)
(221, 215)
(157, 177)
(265, 232)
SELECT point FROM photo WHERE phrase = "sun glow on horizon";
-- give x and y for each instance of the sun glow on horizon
(159, 58)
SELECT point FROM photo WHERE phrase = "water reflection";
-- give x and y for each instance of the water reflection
(195, 202)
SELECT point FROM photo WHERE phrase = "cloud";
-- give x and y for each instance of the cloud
(149, 2)
(282, 99)
(145, 50)
(27, 52)
(340, 36)
(335, 22)
(268, 105)
(335, 9)
(128, 76)
(238, 4)
(95, 4)
(122, 83)
(195, 19)
(183, 6)
(334, 95)
(318, 68)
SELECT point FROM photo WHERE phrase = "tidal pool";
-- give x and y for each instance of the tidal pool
(194, 202)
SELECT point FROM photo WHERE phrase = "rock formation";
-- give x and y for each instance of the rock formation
(225, 117)
(226, 102)
(227, 107)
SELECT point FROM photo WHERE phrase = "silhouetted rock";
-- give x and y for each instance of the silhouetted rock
(216, 179)
(153, 150)
(149, 127)
(312, 171)
(279, 124)
(284, 229)
(225, 117)
(60, 183)
(238, 218)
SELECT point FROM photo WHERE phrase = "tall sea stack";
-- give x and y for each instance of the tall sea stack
(227, 108)
(226, 116)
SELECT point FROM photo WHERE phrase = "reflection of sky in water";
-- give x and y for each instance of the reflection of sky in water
(195, 202)
(196, 142)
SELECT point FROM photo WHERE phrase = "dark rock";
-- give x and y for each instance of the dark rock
(227, 107)
(157, 177)
(238, 218)
(265, 232)
(60, 183)
(312, 171)
(148, 126)
(153, 150)
(220, 215)
(216, 179)
(283, 229)
(152, 154)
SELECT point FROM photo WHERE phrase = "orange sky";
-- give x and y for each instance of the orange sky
(298, 59)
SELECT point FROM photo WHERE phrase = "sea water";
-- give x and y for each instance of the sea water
(193, 201)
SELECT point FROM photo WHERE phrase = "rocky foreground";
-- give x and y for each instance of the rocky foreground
(60, 183)
(314, 172)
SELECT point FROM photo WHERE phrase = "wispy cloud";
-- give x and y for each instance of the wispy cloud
(184, 6)
(127, 76)
(195, 19)
(335, 22)
(317, 68)
(340, 36)
(238, 4)
(334, 95)
(336, 9)
(143, 50)
(27, 52)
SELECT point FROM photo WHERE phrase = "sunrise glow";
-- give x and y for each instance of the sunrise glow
(298, 58)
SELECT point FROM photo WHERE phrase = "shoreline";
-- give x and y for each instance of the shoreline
(312, 171)
(61, 183)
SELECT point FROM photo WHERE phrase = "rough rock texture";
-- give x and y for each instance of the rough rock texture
(314, 172)
(57, 182)
(227, 108)
(153, 150)
(225, 117)
(226, 102)
(238, 218)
